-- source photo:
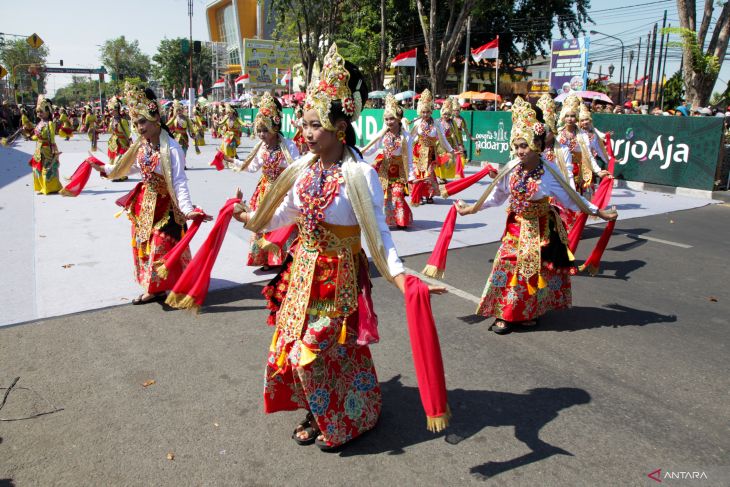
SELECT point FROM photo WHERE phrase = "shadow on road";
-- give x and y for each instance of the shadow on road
(620, 269)
(429, 224)
(7, 483)
(611, 315)
(400, 426)
(14, 165)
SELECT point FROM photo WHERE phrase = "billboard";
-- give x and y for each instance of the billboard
(263, 59)
(569, 64)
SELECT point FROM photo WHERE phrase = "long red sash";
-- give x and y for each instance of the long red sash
(217, 161)
(426, 354)
(436, 265)
(191, 289)
(459, 185)
(80, 177)
(172, 258)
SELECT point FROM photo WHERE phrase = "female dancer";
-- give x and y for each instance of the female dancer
(394, 164)
(159, 205)
(458, 130)
(592, 139)
(322, 297)
(532, 268)
(231, 130)
(65, 128)
(272, 155)
(429, 143)
(89, 126)
(446, 171)
(26, 124)
(45, 158)
(180, 126)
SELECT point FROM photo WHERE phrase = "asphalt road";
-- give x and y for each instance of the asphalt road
(632, 379)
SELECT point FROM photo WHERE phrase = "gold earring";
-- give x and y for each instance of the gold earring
(341, 136)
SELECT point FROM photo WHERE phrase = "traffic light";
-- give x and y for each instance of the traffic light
(185, 46)
(196, 47)
(61, 63)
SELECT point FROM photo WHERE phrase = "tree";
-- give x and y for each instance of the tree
(674, 91)
(171, 66)
(81, 90)
(313, 23)
(701, 66)
(19, 53)
(123, 59)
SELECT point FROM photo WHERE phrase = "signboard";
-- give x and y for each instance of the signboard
(74, 70)
(569, 64)
(673, 151)
(536, 88)
(34, 41)
(262, 59)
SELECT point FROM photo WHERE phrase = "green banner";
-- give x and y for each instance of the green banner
(673, 151)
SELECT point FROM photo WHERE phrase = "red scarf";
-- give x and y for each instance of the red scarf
(172, 258)
(80, 177)
(217, 161)
(436, 265)
(191, 289)
(419, 191)
(459, 185)
(426, 354)
(275, 240)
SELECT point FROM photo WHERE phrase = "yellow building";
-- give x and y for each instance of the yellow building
(231, 21)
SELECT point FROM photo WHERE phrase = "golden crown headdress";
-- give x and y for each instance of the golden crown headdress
(585, 113)
(114, 103)
(268, 114)
(425, 102)
(392, 108)
(570, 105)
(549, 111)
(138, 103)
(525, 124)
(43, 104)
(331, 86)
(446, 108)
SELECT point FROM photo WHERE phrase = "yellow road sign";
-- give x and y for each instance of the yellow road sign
(3, 72)
(35, 41)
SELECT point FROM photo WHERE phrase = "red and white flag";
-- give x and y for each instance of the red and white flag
(640, 80)
(174, 92)
(490, 50)
(286, 78)
(407, 58)
(220, 83)
(200, 88)
(242, 80)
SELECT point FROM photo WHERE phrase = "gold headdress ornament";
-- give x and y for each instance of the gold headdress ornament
(268, 114)
(446, 107)
(392, 108)
(549, 112)
(114, 103)
(570, 105)
(332, 86)
(585, 113)
(525, 124)
(138, 103)
(229, 109)
(176, 106)
(43, 104)
(425, 102)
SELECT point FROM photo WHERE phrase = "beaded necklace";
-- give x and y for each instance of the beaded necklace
(523, 186)
(148, 157)
(425, 128)
(567, 138)
(317, 190)
(271, 167)
(391, 144)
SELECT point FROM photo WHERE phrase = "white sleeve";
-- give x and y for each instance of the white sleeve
(596, 145)
(374, 148)
(293, 149)
(409, 147)
(285, 214)
(555, 189)
(499, 195)
(179, 179)
(442, 138)
(395, 265)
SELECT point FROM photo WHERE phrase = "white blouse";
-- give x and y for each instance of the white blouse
(434, 132)
(405, 138)
(340, 212)
(549, 187)
(567, 157)
(593, 146)
(258, 160)
(179, 178)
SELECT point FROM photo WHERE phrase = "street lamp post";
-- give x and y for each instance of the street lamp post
(621, 72)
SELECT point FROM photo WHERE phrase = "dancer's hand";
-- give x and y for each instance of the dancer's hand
(464, 209)
(437, 289)
(603, 174)
(239, 193)
(196, 213)
(609, 214)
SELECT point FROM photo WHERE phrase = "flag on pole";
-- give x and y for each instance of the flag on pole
(490, 50)
(220, 83)
(163, 92)
(286, 78)
(242, 80)
(200, 88)
(174, 92)
(407, 58)
(640, 80)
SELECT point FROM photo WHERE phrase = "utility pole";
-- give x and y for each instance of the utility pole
(628, 73)
(465, 82)
(659, 64)
(646, 66)
(651, 65)
(191, 90)
(382, 44)
(638, 60)
(664, 68)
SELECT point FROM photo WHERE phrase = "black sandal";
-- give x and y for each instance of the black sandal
(156, 298)
(531, 323)
(324, 445)
(306, 426)
(501, 330)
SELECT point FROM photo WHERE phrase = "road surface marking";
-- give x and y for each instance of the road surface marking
(452, 290)
(652, 239)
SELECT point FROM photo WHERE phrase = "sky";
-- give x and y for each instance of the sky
(73, 29)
